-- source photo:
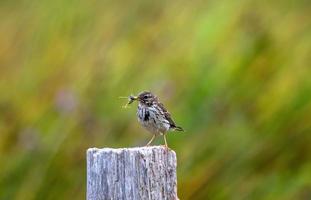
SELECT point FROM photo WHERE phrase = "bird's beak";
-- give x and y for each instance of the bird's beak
(132, 99)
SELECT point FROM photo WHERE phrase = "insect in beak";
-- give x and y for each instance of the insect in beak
(130, 98)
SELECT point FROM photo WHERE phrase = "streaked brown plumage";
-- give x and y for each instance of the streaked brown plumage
(153, 116)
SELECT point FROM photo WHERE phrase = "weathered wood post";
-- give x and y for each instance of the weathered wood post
(131, 174)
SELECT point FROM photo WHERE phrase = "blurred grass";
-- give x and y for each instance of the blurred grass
(235, 75)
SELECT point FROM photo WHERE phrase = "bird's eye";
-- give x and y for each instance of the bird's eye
(146, 97)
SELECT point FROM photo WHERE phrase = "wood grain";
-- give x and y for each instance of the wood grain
(131, 174)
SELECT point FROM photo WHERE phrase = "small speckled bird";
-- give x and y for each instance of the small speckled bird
(153, 116)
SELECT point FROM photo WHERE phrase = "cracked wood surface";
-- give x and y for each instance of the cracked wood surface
(131, 174)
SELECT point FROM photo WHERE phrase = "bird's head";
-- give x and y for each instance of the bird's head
(146, 98)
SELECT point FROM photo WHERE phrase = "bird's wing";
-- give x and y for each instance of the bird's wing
(167, 115)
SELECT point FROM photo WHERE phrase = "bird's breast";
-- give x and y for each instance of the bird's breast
(144, 112)
(150, 118)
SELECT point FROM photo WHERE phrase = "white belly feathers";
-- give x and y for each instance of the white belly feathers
(151, 120)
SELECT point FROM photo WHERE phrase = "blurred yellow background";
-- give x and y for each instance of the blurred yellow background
(234, 74)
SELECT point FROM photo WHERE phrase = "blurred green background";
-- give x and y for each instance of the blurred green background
(234, 74)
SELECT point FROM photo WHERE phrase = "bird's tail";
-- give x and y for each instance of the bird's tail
(178, 128)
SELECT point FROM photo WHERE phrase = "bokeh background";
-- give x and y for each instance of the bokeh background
(234, 74)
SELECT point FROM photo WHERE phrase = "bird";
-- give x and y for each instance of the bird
(153, 116)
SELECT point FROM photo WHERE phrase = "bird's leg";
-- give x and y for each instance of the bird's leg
(151, 140)
(166, 146)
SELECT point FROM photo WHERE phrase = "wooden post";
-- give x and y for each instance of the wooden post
(131, 174)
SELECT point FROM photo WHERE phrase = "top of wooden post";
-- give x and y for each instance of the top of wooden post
(131, 173)
(143, 150)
